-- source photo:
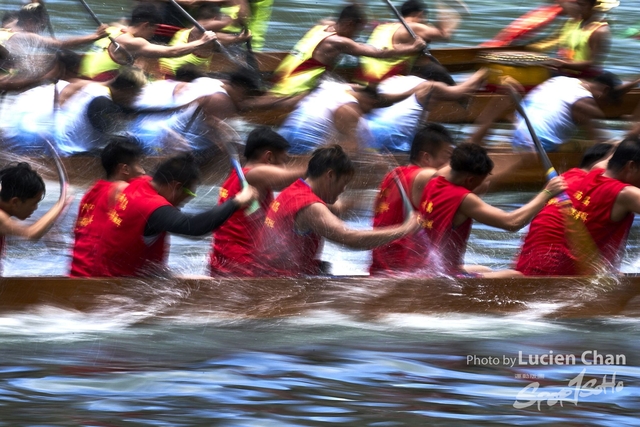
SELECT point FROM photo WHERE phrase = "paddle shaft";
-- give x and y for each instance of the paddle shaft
(97, 20)
(407, 207)
(544, 158)
(196, 24)
(235, 163)
(62, 172)
(425, 51)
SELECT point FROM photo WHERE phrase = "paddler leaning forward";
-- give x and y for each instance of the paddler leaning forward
(121, 161)
(394, 35)
(319, 50)
(448, 208)
(588, 235)
(104, 59)
(134, 241)
(300, 217)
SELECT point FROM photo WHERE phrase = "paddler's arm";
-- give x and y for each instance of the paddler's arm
(265, 177)
(345, 120)
(12, 227)
(441, 91)
(350, 47)
(583, 112)
(628, 200)
(138, 46)
(319, 219)
(100, 32)
(473, 207)
(172, 220)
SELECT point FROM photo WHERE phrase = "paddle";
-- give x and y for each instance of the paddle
(235, 163)
(407, 207)
(62, 171)
(425, 51)
(117, 45)
(196, 24)
(579, 239)
(544, 158)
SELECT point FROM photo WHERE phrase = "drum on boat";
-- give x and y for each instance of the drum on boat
(526, 67)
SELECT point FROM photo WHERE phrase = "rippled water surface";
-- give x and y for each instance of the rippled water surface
(146, 357)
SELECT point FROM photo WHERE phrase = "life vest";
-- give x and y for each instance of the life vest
(124, 250)
(234, 242)
(282, 250)
(169, 66)
(374, 70)
(438, 206)
(91, 221)
(407, 253)
(98, 64)
(298, 71)
(574, 40)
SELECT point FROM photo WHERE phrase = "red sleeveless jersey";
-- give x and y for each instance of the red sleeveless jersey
(91, 221)
(407, 253)
(438, 206)
(235, 241)
(549, 249)
(284, 251)
(124, 250)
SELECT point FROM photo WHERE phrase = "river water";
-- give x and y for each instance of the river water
(130, 364)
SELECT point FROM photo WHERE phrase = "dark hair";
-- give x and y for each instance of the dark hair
(471, 158)
(332, 157)
(246, 79)
(145, 13)
(412, 6)
(128, 78)
(19, 180)
(628, 151)
(188, 73)
(69, 59)
(594, 154)
(264, 138)
(181, 168)
(430, 138)
(121, 149)
(433, 72)
(10, 15)
(208, 11)
(32, 12)
(354, 14)
(612, 82)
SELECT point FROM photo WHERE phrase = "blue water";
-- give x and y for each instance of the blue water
(146, 359)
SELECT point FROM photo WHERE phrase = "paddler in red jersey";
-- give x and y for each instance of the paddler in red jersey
(319, 50)
(588, 235)
(448, 206)
(121, 162)
(300, 217)
(134, 242)
(21, 190)
(235, 240)
(430, 150)
(394, 35)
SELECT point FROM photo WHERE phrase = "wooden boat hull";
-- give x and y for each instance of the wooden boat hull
(512, 171)
(362, 297)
